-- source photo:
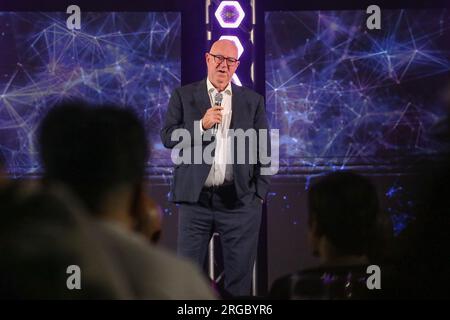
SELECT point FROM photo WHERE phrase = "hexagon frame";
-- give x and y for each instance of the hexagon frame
(220, 8)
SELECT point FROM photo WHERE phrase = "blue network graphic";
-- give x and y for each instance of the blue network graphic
(344, 95)
(126, 58)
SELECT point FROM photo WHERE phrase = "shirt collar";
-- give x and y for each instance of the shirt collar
(211, 88)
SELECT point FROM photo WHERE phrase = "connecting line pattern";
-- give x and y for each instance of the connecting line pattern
(126, 58)
(343, 95)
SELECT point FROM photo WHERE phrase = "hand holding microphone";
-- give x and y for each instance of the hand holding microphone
(213, 115)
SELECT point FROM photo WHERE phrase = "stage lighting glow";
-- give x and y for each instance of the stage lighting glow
(237, 42)
(236, 80)
(229, 14)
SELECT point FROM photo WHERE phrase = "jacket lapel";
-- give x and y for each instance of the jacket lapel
(201, 97)
(236, 104)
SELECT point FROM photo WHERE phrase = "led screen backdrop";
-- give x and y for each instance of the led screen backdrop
(344, 95)
(127, 58)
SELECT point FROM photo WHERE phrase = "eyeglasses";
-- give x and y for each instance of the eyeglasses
(219, 59)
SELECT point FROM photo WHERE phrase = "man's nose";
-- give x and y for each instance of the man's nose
(223, 64)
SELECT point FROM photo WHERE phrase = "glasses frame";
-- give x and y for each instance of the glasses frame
(222, 58)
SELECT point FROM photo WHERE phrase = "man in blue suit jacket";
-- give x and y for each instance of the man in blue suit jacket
(224, 195)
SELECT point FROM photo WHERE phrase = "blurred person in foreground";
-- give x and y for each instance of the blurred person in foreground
(100, 153)
(42, 234)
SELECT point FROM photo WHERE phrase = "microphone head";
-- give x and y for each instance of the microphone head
(218, 99)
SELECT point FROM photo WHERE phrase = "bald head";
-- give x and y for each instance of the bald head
(220, 72)
(224, 45)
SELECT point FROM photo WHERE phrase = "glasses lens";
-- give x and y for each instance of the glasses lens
(231, 61)
(218, 59)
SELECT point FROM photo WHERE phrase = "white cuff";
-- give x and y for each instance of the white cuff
(201, 126)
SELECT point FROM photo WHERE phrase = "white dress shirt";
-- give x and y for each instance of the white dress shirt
(221, 169)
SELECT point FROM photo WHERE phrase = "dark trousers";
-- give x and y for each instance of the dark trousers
(218, 210)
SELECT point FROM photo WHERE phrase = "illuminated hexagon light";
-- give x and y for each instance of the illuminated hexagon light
(236, 41)
(229, 14)
(236, 80)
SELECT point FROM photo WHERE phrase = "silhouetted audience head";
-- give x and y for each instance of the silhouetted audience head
(98, 151)
(43, 233)
(343, 209)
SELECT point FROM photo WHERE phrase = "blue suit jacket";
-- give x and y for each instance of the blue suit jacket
(188, 104)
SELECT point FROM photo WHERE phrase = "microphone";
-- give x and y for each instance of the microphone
(217, 102)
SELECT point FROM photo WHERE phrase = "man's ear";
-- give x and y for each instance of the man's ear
(207, 57)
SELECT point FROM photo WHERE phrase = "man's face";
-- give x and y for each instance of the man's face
(220, 73)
